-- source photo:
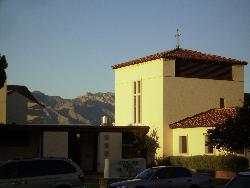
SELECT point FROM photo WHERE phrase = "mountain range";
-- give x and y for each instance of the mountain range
(86, 109)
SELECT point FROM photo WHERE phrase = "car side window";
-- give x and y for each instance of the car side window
(35, 168)
(179, 172)
(163, 173)
(59, 167)
(31, 169)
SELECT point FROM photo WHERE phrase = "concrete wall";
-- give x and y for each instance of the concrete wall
(3, 93)
(17, 108)
(151, 76)
(55, 144)
(109, 147)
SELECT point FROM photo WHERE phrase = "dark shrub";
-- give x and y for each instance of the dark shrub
(207, 163)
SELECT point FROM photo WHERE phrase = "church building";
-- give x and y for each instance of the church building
(162, 89)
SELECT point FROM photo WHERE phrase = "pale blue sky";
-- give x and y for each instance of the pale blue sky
(67, 47)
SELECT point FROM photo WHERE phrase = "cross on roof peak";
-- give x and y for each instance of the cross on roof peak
(177, 35)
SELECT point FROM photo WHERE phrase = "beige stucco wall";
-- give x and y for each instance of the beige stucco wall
(151, 76)
(3, 93)
(238, 73)
(109, 147)
(195, 141)
(55, 144)
(17, 108)
(185, 97)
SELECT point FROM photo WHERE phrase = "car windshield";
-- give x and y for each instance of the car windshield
(146, 174)
(239, 181)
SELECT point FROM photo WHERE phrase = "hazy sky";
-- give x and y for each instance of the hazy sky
(67, 47)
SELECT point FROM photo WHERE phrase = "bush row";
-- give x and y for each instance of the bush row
(209, 162)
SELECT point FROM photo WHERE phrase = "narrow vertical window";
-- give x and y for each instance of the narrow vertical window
(134, 109)
(183, 144)
(137, 101)
(222, 102)
(139, 86)
(208, 147)
(134, 87)
(139, 108)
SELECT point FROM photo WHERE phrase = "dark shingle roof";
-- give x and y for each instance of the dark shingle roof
(23, 90)
(210, 118)
(180, 53)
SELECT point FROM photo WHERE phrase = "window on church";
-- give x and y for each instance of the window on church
(208, 147)
(183, 144)
(137, 102)
(222, 102)
(134, 109)
(134, 87)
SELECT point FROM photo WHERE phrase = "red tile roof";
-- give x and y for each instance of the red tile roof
(23, 90)
(179, 53)
(210, 118)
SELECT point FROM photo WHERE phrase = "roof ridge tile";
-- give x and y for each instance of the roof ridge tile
(180, 53)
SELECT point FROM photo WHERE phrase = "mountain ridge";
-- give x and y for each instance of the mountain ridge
(86, 109)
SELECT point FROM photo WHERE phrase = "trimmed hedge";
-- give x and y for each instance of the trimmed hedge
(209, 162)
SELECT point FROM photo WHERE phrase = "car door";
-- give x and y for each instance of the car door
(177, 177)
(32, 171)
(161, 179)
(10, 176)
(181, 177)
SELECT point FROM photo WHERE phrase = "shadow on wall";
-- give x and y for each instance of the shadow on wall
(19, 102)
(17, 109)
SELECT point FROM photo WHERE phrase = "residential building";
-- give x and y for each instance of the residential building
(164, 88)
(19, 98)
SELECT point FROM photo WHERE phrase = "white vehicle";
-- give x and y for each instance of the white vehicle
(166, 176)
(41, 173)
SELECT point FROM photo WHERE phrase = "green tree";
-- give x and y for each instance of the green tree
(234, 134)
(3, 66)
(146, 143)
(143, 146)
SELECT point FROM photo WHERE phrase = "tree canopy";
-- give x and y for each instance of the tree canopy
(234, 134)
(143, 146)
(3, 66)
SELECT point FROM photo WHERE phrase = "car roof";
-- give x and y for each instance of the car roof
(158, 167)
(33, 159)
(246, 173)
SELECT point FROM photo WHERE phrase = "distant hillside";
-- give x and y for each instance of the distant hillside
(87, 109)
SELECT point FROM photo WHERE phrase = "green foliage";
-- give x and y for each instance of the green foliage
(234, 134)
(144, 145)
(3, 65)
(207, 162)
